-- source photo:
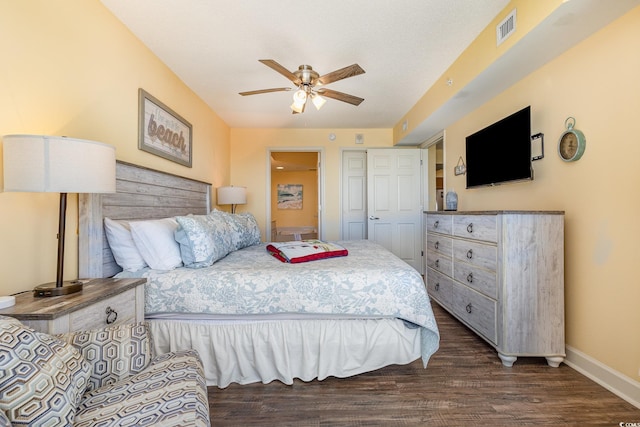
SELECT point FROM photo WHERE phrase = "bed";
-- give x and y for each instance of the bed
(253, 318)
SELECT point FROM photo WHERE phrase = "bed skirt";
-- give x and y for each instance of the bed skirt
(282, 350)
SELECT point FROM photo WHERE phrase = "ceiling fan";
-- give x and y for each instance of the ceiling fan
(306, 79)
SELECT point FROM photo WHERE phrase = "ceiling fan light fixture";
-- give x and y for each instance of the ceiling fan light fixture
(297, 108)
(300, 96)
(318, 101)
(299, 100)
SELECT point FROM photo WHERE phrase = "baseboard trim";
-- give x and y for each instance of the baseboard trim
(612, 380)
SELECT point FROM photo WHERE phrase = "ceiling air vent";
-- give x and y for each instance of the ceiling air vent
(505, 28)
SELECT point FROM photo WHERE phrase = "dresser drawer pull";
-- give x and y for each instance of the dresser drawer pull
(468, 308)
(112, 315)
(437, 286)
(470, 253)
(436, 245)
(470, 228)
(437, 263)
(435, 224)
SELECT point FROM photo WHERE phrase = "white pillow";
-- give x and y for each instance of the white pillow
(122, 246)
(154, 239)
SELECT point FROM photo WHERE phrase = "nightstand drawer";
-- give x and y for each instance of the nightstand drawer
(82, 310)
(117, 309)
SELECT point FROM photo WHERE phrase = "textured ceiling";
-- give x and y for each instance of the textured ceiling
(403, 45)
(214, 47)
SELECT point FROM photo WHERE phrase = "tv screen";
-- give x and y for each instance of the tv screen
(500, 152)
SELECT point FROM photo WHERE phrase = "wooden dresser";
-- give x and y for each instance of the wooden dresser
(101, 303)
(502, 274)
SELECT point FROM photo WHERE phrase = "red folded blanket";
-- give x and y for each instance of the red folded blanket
(305, 250)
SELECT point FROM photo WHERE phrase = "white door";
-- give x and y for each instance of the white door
(394, 183)
(354, 195)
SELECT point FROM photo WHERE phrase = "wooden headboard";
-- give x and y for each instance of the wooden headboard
(141, 193)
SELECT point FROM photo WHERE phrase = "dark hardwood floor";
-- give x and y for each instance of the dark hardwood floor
(464, 385)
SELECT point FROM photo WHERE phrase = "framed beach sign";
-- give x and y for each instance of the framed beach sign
(289, 196)
(161, 131)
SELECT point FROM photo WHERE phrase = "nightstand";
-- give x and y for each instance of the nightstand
(102, 302)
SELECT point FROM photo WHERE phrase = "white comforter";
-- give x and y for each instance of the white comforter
(370, 282)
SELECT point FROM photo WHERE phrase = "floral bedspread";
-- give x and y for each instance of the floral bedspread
(369, 282)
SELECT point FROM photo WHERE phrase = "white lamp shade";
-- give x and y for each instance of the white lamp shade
(318, 101)
(57, 164)
(299, 97)
(232, 195)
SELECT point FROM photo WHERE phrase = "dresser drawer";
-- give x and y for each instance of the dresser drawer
(440, 262)
(484, 281)
(439, 223)
(476, 310)
(479, 227)
(95, 316)
(439, 287)
(475, 253)
(439, 244)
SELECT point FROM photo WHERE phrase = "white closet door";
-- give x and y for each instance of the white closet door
(394, 202)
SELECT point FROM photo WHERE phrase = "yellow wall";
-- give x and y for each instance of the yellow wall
(249, 164)
(597, 82)
(308, 215)
(70, 68)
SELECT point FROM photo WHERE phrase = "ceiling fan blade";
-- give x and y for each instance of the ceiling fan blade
(342, 73)
(344, 97)
(255, 92)
(280, 69)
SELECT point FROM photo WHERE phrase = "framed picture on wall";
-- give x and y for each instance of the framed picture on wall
(289, 196)
(161, 131)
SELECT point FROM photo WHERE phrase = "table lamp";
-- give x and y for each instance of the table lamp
(232, 196)
(54, 164)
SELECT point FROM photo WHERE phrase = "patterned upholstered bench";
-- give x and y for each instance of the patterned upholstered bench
(106, 377)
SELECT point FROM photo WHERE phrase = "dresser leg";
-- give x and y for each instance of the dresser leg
(554, 361)
(507, 360)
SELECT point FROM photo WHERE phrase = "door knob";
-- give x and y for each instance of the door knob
(373, 217)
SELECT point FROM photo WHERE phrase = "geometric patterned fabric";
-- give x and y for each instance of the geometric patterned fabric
(46, 381)
(170, 392)
(42, 379)
(115, 352)
(4, 421)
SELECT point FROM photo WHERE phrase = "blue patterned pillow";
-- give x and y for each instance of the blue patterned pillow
(42, 379)
(244, 230)
(203, 239)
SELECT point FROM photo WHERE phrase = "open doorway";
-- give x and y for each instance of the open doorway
(294, 201)
(435, 173)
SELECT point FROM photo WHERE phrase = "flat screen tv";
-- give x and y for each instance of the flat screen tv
(500, 152)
